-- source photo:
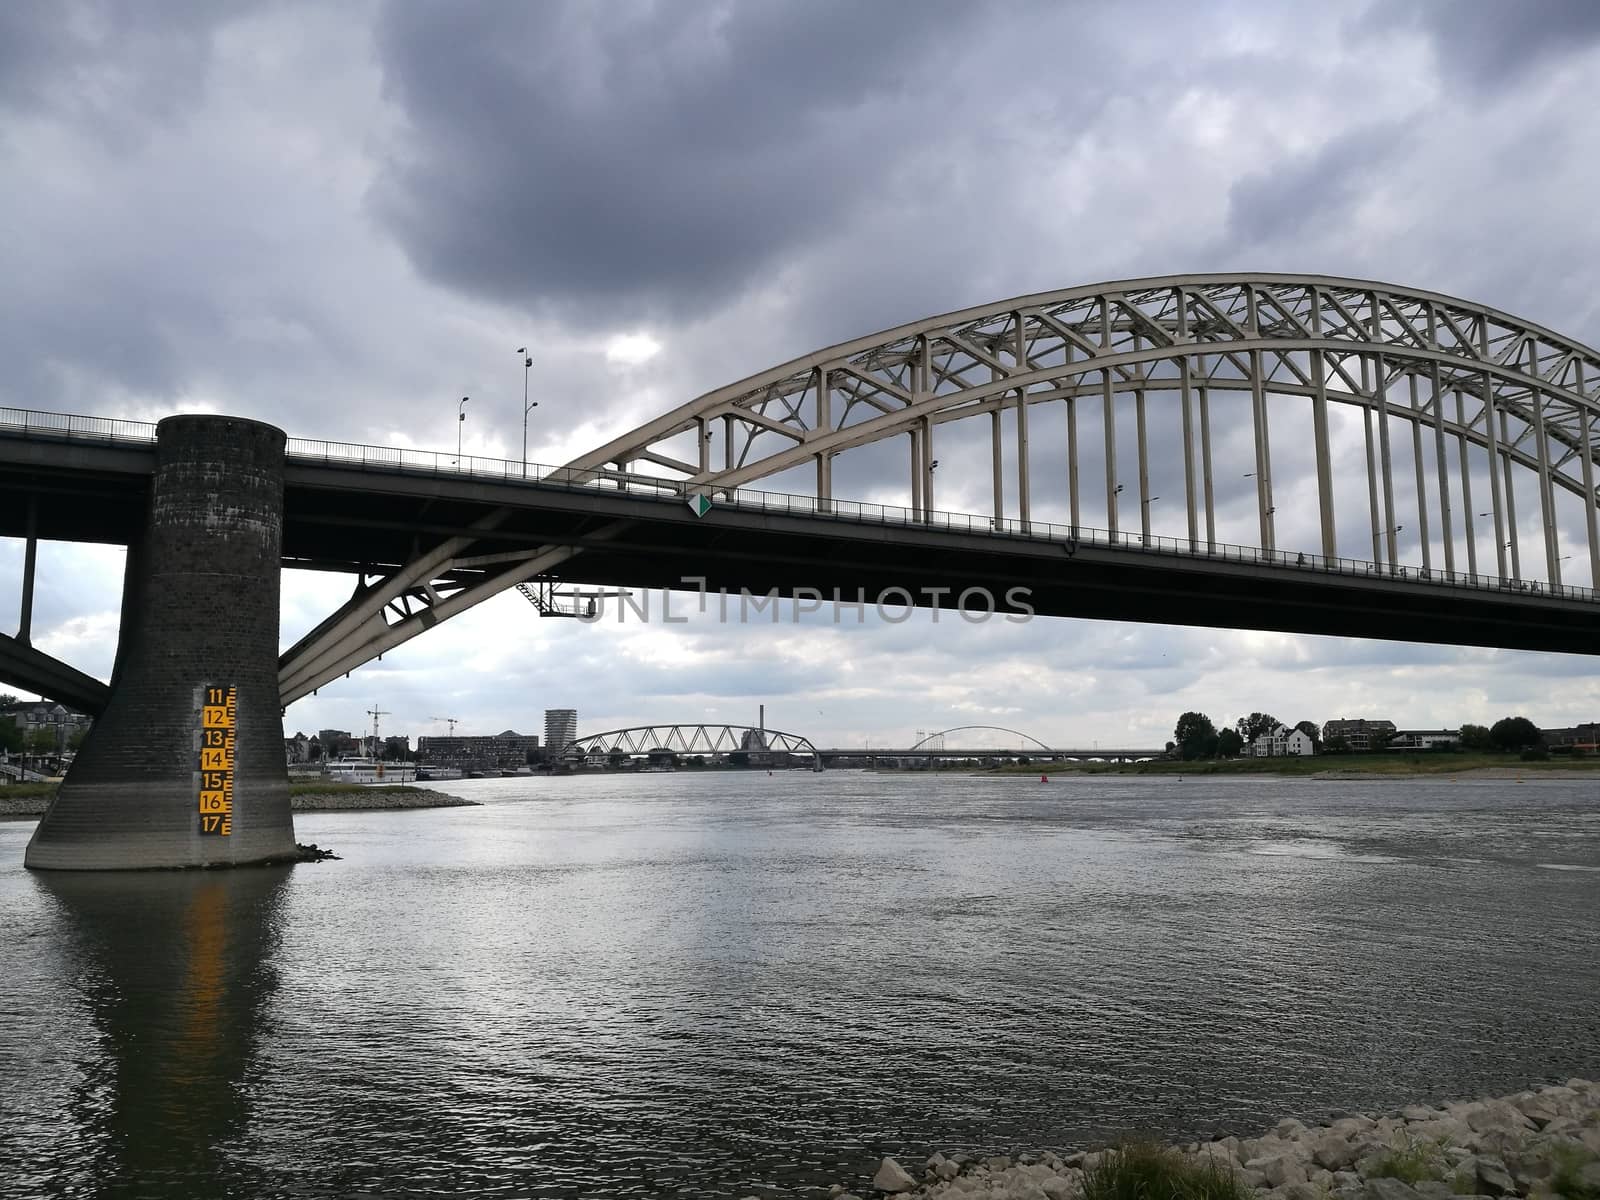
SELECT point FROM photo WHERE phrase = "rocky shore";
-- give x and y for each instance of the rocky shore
(1543, 1144)
(376, 799)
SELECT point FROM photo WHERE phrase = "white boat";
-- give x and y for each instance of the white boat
(432, 773)
(369, 770)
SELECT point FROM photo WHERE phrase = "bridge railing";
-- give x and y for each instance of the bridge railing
(32, 423)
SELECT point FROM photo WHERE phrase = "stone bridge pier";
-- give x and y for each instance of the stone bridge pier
(185, 768)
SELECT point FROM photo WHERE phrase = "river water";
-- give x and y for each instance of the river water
(725, 984)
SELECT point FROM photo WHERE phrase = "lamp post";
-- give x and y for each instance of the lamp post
(461, 418)
(527, 361)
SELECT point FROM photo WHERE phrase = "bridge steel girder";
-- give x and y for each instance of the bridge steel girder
(21, 665)
(1348, 341)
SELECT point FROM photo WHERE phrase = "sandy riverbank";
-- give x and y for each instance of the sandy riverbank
(1543, 1144)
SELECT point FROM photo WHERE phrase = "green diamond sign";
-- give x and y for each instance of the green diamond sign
(699, 505)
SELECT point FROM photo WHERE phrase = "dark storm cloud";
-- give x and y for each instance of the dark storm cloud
(657, 153)
(1488, 46)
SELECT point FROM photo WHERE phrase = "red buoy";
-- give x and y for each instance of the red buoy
(1044, 779)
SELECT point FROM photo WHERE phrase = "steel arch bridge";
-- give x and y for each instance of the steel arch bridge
(1474, 432)
(939, 736)
(1486, 398)
(711, 740)
(1489, 391)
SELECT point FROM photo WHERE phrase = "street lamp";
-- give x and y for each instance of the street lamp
(461, 418)
(527, 362)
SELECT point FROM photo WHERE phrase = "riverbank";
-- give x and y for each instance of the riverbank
(1343, 766)
(31, 799)
(1543, 1143)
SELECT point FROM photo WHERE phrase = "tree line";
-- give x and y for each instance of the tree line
(1196, 736)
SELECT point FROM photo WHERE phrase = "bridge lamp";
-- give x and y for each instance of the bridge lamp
(461, 418)
(934, 465)
(527, 362)
(1117, 491)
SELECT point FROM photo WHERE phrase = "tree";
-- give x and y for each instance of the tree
(1312, 731)
(10, 736)
(9, 703)
(1253, 726)
(1515, 733)
(1229, 743)
(75, 742)
(1336, 745)
(1195, 736)
(1476, 737)
(42, 741)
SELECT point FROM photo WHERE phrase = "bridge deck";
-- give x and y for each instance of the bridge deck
(345, 516)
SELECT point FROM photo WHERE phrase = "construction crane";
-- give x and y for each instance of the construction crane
(450, 721)
(375, 713)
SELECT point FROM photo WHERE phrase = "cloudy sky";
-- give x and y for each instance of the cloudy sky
(342, 218)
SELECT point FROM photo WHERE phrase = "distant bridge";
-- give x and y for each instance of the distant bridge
(710, 741)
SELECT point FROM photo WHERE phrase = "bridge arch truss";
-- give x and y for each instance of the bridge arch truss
(1486, 398)
(686, 740)
(937, 739)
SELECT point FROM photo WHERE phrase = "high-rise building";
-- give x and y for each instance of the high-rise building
(560, 729)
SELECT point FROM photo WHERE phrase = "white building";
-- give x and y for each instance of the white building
(560, 729)
(1283, 742)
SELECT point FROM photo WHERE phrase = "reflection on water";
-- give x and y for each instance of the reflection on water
(718, 985)
(165, 974)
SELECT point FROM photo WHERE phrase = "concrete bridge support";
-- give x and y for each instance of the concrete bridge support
(185, 768)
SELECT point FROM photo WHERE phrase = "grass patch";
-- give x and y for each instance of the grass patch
(1412, 1162)
(1146, 1171)
(1566, 1175)
(26, 791)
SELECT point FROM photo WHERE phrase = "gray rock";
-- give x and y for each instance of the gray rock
(948, 1169)
(1332, 1152)
(1390, 1189)
(997, 1162)
(1497, 1114)
(1056, 1188)
(1494, 1179)
(1289, 1128)
(1538, 1109)
(1419, 1112)
(1432, 1189)
(1279, 1170)
(892, 1177)
(1301, 1191)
